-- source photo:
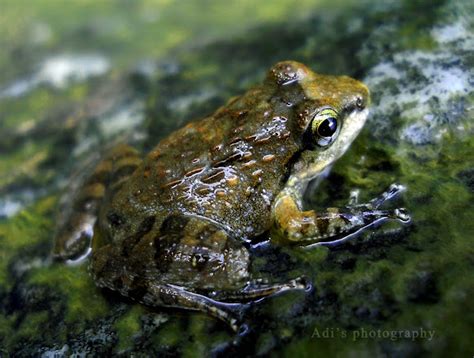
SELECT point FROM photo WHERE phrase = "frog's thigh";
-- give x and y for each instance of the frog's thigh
(189, 254)
(111, 269)
(73, 236)
(292, 225)
(196, 253)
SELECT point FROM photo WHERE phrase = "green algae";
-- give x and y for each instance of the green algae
(21, 114)
(127, 326)
(393, 278)
(31, 156)
(27, 228)
(78, 290)
(149, 28)
(170, 334)
(54, 289)
(27, 330)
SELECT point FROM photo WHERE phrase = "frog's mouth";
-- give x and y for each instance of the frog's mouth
(351, 127)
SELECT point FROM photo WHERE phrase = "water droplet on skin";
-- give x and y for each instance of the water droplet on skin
(268, 158)
(249, 163)
(257, 173)
(232, 180)
(220, 193)
(218, 148)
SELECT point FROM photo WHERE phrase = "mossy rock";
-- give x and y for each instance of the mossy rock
(414, 280)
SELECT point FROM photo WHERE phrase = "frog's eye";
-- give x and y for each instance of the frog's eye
(325, 126)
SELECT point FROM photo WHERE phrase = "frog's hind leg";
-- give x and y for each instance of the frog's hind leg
(231, 313)
(168, 295)
(74, 233)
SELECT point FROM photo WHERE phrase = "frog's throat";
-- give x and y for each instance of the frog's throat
(315, 162)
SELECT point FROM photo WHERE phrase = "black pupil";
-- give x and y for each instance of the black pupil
(328, 127)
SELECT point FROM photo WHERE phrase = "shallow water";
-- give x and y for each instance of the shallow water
(78, 79)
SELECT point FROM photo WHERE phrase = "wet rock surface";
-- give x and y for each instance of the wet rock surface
(393, 291)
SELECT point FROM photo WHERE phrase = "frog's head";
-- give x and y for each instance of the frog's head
(330, 114)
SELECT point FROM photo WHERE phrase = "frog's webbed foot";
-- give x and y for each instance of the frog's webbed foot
(393, 191)
(370, 210)
(370, 213)
(335, 226)
(257, 289)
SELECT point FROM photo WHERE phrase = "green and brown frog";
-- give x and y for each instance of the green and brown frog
(173, 229)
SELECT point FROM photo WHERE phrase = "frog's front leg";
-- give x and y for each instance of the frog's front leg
(74, 233)
(333, 226)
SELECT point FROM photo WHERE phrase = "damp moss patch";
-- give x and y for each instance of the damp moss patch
(28, 228)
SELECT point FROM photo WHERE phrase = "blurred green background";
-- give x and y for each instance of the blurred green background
(127, 30)
(77, 77)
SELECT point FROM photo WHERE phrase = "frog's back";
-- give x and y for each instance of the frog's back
(226, 168)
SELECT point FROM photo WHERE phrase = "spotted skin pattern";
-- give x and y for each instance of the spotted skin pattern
(173, 229)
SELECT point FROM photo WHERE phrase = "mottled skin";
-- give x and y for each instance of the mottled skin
(170, 230)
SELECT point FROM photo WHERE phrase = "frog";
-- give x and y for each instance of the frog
(175, 228)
